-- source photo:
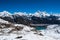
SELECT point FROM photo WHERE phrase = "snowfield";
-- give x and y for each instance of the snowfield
(10, 31)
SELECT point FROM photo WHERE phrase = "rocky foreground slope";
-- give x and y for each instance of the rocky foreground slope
(10, 31)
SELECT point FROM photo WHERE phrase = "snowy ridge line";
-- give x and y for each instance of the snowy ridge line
(38, 14)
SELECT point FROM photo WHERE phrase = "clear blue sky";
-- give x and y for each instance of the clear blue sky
(30, 5)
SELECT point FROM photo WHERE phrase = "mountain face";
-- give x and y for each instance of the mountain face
(37, 18)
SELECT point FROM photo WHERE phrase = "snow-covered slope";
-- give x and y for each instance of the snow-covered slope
(5, 13)
(3, 21)
(23, 32)
(38, 14)
(27, 33)
(41, 14)
(21, 13)
(53, 31)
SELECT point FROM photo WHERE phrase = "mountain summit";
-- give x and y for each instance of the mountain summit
(5, 13)
(41, 14)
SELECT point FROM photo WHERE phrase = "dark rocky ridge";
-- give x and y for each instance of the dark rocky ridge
(32, 19)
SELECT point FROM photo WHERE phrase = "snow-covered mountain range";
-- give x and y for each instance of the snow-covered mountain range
(37, 14)
(12, 28)
(28, 18)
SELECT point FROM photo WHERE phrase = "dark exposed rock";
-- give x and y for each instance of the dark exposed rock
(8, 19)
(41, 34)
(32, 19)
(58, 31)
(18, 37)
